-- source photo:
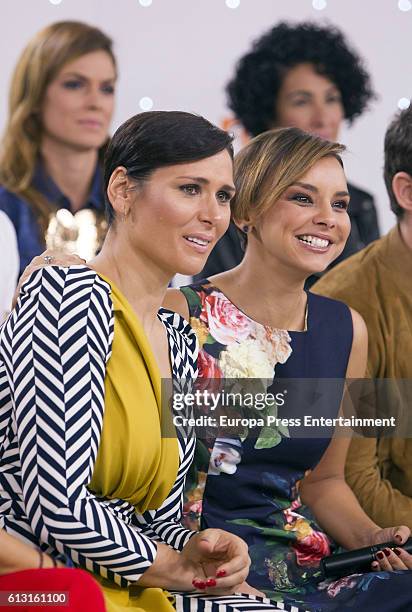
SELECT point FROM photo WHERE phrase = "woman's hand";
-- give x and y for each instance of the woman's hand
(388, 559)
(246, 589)
(213, 560)
(16, 555)
(48, 258)
(218, 560)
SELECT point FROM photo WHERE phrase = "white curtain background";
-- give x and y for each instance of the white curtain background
(180, 54)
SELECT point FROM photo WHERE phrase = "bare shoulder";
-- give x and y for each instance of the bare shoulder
(175, 300)
(360, 331)
(359, 352)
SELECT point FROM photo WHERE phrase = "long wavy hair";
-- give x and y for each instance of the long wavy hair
(40, 62)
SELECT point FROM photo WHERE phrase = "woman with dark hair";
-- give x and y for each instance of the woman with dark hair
(60, 106)
(280, 485)
(307, 76)
(88, 475)
(256, 93)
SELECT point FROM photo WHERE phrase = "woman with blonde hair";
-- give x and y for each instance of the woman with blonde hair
(282, 488)
(60, 107)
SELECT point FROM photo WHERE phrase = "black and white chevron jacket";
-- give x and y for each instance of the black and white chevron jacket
(53, 353)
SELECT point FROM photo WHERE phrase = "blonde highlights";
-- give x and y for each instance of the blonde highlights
(270, 163)
(42, 59)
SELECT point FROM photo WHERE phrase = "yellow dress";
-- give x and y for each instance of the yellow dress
(89, 422)
(134, 462)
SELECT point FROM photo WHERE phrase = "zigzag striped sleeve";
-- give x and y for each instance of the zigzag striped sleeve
(164, 524)
(59, 342)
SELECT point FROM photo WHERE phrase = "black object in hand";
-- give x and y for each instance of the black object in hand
(356, 561)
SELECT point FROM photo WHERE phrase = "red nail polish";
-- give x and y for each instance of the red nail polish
(221, 573)
(398, 551)
(387, 552)
(201, 585)
(380, 555)
(211, 582)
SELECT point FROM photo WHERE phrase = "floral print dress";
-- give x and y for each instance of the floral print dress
(249, 485)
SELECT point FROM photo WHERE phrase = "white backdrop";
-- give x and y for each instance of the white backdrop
(181, 53)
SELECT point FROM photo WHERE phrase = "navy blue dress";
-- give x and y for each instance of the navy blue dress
(249, 485)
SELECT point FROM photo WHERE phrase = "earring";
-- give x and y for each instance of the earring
(124, 214)
(245, 229)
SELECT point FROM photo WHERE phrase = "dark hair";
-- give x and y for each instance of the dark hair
(259, 74)
(398, 154)
(157, 139)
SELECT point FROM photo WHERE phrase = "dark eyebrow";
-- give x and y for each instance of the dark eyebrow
(299, 92)
(314, 189)
(308, 94)
(204, 181)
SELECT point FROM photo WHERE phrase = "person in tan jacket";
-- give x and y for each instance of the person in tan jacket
(377, 282)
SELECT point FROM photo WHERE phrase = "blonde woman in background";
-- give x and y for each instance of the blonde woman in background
(60, 107)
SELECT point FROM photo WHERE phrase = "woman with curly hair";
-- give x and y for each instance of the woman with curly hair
(307, 76)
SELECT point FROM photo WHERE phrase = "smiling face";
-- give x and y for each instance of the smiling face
(309, 101)
(307, 227)
(177, 216)
(78, 104)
